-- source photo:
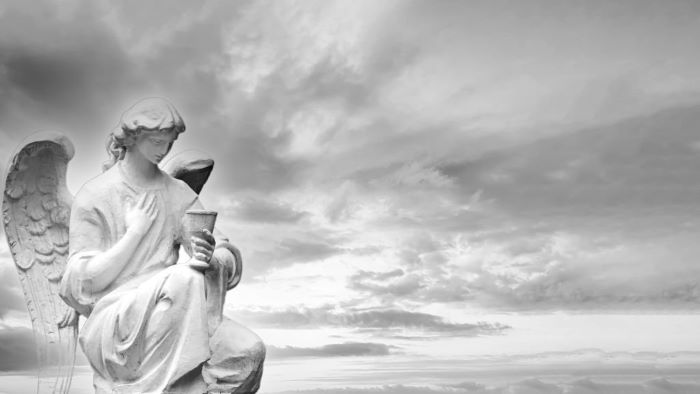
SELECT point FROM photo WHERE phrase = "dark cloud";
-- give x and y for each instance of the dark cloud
(618, 169)
(11, 296)
(377, 321)
(347, 349)
(260, 209)
(78, 68)
(286, 251)
(428, 277)
(17, 349)
(61, 72)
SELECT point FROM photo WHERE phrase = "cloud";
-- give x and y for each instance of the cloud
(347, 349)
(529, 386)
(546, 271)
(17, 350)
(11, 296)
(291, 250)
(617, 169)
(384, 321)
(439, 150)
(387, 389)
(580, 220)
(51, 78)
(262, 210)
(584, 371)
(378, 285)
(573, 272)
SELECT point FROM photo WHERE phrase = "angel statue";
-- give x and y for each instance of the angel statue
(153, 322)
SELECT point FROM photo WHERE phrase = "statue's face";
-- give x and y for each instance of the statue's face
(155, 145)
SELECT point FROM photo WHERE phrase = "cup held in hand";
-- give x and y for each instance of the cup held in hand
(196, 221)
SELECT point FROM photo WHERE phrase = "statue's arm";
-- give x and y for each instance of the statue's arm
(230, 257)
(91, 266)
(104, 268)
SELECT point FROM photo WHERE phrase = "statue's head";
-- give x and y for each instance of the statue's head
(150, 126)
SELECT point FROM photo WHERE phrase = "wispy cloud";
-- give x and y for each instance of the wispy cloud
(261, 210)
(347, 349)
(380, 321)
(530, 386)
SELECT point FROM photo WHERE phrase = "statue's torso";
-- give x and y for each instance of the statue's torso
(98, 222)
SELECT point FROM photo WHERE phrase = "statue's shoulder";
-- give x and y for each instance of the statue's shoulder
(99, 188)
(180, 189)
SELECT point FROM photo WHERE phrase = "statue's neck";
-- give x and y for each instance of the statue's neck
(139, 170)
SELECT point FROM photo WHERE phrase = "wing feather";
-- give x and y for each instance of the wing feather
(36, 210)
(192, 167)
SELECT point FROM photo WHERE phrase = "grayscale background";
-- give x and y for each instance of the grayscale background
(430, 196)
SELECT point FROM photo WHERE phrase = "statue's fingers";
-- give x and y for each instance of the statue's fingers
(208, 236)
(151, 206)
(67, 319)
(62, 321)
(203, 248)
(201, 255)
(151, 203)
(142, 201)
(200, 243)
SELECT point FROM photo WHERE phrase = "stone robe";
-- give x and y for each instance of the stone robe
(158, 326)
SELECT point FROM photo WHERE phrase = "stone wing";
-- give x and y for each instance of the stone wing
(36, 212)
(192, 167)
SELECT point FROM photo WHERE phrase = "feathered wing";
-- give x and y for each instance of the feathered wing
(192, 167)
(36, 211)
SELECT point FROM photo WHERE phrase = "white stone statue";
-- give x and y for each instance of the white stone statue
(153, 324)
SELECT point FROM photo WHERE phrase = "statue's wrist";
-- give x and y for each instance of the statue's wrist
(224, 257)
(133, 231)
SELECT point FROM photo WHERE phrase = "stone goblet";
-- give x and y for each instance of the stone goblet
(196, 221)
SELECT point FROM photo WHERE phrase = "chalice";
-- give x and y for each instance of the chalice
(196, 221)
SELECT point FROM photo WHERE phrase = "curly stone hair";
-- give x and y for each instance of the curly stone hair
(153, 114)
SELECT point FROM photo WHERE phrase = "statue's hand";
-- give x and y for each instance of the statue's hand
(203, 246)
(69, 318)
(140, 216)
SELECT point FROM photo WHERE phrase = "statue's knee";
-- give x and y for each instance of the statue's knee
(180, 278)
(232, 338)
(258, 351)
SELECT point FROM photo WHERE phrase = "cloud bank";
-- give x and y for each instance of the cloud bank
(378, 321)
(531, 386)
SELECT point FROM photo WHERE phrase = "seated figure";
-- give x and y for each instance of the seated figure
(153, 325)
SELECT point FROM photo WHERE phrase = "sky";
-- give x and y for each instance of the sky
(471, 197)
